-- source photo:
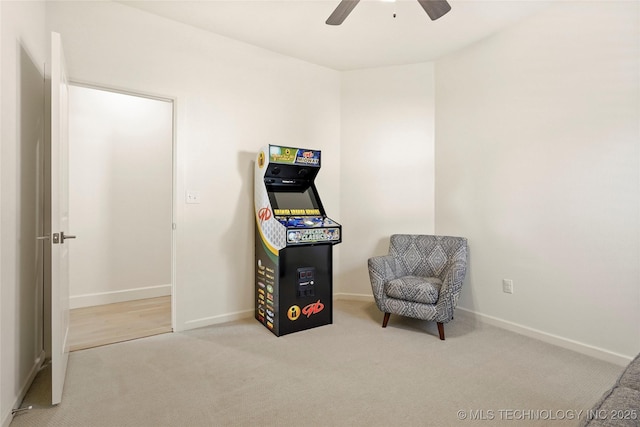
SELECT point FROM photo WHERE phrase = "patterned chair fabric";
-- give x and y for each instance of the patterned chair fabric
(421, 277)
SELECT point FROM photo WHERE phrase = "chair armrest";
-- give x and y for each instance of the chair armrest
(450, 290)
(382, 269)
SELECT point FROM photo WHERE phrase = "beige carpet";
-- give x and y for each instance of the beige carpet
(350, 373)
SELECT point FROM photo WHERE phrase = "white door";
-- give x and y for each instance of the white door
(59, 219)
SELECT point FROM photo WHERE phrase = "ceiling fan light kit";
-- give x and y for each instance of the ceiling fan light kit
(434, 8)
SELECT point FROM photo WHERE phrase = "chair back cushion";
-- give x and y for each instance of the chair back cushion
(426, 255)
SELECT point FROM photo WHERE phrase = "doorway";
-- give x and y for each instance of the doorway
(121, 181)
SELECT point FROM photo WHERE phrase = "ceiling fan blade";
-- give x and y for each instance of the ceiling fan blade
(342, 11)
(435, 8)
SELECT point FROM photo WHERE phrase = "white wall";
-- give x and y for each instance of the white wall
(5, 402)
(387, 164)
(23, 51)
(231, 99)
(537, 163)
(120, 196)
(4, 419)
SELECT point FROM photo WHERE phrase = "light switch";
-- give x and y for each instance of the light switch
(507, 286)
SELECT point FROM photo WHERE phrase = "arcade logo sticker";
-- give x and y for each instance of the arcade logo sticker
(313, 308)
(282, 154)
(264, 214)
(293, 313)
(309, 158)
(309, 310)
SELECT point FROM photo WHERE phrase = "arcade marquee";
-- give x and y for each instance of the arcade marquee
(293, 242)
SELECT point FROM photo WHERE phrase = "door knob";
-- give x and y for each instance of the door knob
(63, 237)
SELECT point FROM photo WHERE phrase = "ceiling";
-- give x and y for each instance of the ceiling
(370, 36)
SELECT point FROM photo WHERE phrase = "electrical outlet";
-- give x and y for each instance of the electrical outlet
(507, 286)
(192, 197)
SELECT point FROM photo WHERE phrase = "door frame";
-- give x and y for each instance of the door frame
(174, 199)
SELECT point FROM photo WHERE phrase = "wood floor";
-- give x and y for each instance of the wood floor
(124, 321)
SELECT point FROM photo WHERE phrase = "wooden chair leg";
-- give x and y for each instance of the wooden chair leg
(441, 330)
(385, 320)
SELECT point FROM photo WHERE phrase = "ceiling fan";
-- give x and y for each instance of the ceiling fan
(434, 8)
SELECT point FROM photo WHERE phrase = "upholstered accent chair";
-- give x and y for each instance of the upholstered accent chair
(421, 277)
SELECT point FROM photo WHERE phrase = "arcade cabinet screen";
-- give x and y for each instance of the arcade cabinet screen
(294, 199)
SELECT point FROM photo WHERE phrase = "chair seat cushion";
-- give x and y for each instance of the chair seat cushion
(424, 290)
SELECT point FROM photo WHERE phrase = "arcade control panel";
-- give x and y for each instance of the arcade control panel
(307, 229)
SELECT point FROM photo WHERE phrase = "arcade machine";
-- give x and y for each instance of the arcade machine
(294, 242)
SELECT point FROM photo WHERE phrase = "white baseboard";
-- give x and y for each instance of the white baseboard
(569, 344)
(101, 298)
(352, 297)
(245, 314)
(576, 346)
(214, 320)
(37, 364)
